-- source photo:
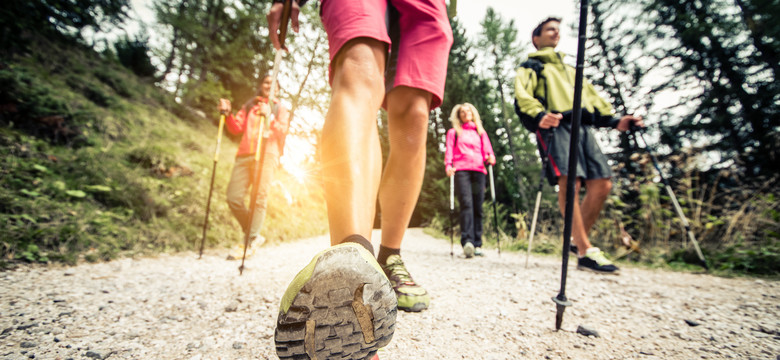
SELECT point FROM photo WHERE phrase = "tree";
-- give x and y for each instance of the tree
(499, 39)
(21, 18)
(726, 58)
(216, 48)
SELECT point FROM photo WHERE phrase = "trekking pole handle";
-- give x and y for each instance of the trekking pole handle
(219, 135)
(452, 192)
(492, 185)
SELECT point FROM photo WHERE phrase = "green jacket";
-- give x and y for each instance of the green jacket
(549, 87)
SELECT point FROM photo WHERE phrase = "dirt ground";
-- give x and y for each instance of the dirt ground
(179, 307)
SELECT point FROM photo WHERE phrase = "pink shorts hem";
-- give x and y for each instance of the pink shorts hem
(422, 66)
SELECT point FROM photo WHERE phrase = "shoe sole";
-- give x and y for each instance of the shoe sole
(585, 268)
(415, 308)
(345, 310)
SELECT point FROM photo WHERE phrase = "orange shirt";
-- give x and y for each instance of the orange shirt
(247, 122)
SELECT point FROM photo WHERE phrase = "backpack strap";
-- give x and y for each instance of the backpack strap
(537, 66)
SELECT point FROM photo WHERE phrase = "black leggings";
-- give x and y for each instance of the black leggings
(470, 190)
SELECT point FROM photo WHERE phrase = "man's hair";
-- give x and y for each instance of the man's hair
(538, 29)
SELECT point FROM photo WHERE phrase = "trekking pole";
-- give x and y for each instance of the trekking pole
(452, 211)
(261, 130)
(560, 300)
(636, 131)
(213, 175)
(495, 213)
(545, 160)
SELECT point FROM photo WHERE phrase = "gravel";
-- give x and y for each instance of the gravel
(179, 307)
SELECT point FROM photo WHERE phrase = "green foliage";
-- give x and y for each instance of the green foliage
(55, 18)
(137, 185)
(217, 46)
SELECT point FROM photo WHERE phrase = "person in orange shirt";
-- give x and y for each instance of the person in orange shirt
(246, 122)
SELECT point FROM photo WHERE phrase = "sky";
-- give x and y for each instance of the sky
(526, 14)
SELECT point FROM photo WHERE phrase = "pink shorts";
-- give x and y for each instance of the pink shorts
(419, 60)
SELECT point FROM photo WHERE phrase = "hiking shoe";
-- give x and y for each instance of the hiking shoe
(411, 297)
(594, 260)
(478, 252)
(468, 250)
(237, 252)
(340, 306)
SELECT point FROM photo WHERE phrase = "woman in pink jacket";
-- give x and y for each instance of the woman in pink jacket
(468, 149)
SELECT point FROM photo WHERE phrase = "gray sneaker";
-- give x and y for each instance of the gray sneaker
(468, 250)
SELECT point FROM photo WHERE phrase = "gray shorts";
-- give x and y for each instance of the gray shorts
(592, 163)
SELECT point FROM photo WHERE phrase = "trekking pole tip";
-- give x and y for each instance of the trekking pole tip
(560, 307)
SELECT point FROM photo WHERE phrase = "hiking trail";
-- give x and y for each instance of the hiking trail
(179, 307)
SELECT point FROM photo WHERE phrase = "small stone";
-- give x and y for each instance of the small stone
(25, 327)
(232, 307)
(584, 330)
(94, 355)
(238, 345)
(691, 323)
(28, 344)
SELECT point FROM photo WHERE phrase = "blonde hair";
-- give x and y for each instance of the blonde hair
(455, 118)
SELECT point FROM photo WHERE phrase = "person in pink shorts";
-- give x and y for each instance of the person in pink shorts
(390, 54)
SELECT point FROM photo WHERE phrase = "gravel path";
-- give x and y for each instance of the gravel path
(178, 307)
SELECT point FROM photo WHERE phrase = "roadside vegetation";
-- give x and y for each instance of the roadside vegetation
(98, 163)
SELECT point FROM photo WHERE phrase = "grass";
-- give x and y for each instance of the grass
(96, 164)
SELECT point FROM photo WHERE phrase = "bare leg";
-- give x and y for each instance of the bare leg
(596, 194)
(351, 154)
(577, 226)
(407, 110)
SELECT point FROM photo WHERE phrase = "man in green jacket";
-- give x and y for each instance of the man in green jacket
(544, 92)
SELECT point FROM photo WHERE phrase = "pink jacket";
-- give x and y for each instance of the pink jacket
(471, 150)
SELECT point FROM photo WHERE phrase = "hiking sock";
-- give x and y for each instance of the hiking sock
(359, 239)
(384, 253)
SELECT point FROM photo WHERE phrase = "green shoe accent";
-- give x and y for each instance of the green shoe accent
(594, 260)
(411, 297)
(341, 305)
